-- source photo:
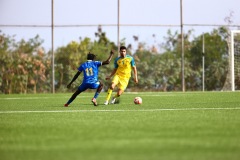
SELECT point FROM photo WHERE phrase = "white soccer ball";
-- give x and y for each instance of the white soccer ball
(138, 100)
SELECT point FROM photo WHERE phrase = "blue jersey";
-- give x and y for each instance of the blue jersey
(90, 71)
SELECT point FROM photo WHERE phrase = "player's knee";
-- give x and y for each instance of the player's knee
(120, 92)
(100, 86)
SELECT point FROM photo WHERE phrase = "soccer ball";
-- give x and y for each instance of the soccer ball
(138, 100)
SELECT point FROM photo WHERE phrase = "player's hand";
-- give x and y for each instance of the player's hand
(111, 52)
(136, 80)
(69, 85)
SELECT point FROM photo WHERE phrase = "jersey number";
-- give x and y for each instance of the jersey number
(89, 71)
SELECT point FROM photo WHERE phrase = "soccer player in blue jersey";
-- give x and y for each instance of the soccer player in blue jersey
(123, 66)
(90, 78)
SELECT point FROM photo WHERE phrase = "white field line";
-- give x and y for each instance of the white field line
(141, 110)
(24, 98)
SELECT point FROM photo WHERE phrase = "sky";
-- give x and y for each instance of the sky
(91, 13)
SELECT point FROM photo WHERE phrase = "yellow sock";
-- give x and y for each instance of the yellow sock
(109, 93)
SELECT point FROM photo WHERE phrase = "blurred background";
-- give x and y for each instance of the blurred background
(178, 45)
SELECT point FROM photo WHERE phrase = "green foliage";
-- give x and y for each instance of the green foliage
(70, 57)
(26, 68)
(216, 54)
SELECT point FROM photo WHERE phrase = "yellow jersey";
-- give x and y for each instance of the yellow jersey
(124, 66)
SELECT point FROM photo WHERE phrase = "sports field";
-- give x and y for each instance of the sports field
(167, 126)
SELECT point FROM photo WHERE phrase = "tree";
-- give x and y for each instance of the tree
(26, 68)
(69, 58)
(6, 60)
(216, 55)
(172, 57)
(23, 65)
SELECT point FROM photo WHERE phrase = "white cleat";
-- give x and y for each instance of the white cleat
(106, 102)
(113, 101)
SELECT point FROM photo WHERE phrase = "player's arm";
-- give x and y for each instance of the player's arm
(135, 74)
(113, 72)
(74, 78)
(109, 58)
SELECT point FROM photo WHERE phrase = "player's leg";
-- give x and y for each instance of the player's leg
(123, 82)
(72, 98)
(109, 92)
(116, 97)
(99, 87)
(80, 89)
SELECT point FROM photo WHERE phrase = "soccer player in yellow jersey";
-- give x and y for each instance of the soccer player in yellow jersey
(123, 66)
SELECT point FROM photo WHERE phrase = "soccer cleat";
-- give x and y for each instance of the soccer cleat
(66, 105)
(106, 102)
(113, 101)
(94, 101)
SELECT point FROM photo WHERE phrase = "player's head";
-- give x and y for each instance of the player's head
(91, 56)
(123, 51)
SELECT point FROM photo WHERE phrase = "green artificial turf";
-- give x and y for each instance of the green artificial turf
(167, 126)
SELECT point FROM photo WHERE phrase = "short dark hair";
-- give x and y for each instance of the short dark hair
(91, 56)
(123, 47)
